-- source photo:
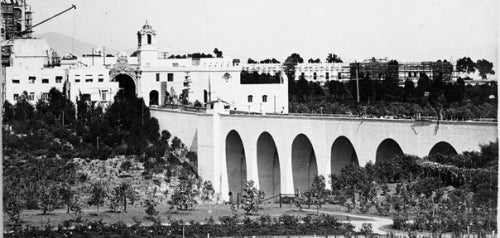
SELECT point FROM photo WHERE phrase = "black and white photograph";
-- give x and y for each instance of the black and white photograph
(232, 118)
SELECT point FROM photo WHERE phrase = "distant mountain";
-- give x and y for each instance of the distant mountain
(64, 44)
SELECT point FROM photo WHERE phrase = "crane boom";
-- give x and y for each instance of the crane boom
(48, 19)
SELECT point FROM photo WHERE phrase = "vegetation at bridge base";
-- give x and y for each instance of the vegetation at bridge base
(41, 142)
(225, 227)
(441, 193)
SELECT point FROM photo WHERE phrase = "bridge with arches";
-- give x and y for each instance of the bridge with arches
(282, 153)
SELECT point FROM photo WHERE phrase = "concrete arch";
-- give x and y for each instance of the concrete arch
(268, 165)
(443, 148)
(387, 150)
(304, 166)
(153, 97)
(342, 155)
(235, 162)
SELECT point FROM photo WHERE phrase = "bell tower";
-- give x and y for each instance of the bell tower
(146, 46)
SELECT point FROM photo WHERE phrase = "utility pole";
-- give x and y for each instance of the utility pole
(357, 83)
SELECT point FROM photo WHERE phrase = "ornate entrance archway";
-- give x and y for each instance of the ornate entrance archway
(126, 75)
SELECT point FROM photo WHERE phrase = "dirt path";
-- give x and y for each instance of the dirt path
(377, 222)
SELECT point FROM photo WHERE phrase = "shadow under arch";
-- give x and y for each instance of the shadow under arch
(387, 150)
(126, 84)
(235, 163)
(443, 148)
(268, 165)
(304, 166)
(342, 155)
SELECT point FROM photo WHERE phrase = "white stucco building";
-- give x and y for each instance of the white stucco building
(322, 72)
(163, 80)
(97, 77)
(34, 68)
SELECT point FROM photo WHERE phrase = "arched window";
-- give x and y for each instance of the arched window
(139, 38)
(264, 98)
(149, 39)
(250, 98)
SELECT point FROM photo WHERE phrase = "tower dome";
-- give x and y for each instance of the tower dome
(147, 27)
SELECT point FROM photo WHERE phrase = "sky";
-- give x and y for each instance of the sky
(405, 30)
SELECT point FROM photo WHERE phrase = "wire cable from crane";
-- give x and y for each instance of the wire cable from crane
(73, 37)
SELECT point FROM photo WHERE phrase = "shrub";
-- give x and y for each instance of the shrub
(251, 199)
(185, 192)
(150, 208)
(98, 195)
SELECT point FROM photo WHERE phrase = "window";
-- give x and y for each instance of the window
(45, 80)
(264, 98)
(15, 81)
(31, 97)
(149, 39)
(45, 96)
(327, 75)
(315, 76)
(101, 80)
(157, 77)
(59, 79)
(77, 80)
(16, 96)
(170, 77)
(104, 95)
(250, 98)
(31, 79)
(88, 80)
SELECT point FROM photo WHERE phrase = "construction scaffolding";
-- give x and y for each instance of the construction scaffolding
(16, 18)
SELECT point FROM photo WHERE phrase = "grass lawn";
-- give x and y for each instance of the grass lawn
(201, 213)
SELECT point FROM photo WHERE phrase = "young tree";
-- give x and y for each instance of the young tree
(484, 67)
(314, 60)
(185, 192)
(218, 53)
(251, 198)
(318, 192)
(49, 197)
(465, 64)
(120, 194)
(290, 64)
(150, 207)
(8, 112)
(333, 58)
(207, 191)
(12, 204)
(67, 196)
(98, 195)
(251, 61)
(23, 110)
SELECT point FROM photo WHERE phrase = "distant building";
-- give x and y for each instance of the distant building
(322, 72)
(379, 69)
(374, 69)
(35, 69)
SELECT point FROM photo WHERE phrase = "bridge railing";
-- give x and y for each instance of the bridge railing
(181, 108)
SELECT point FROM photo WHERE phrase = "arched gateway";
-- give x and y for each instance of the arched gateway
(126, 75)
